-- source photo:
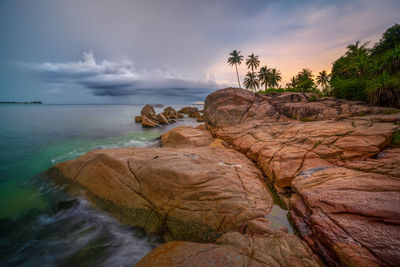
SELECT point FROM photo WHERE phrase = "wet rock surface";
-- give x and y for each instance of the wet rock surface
(192, 194)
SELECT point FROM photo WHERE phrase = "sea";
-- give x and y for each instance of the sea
(40, 224)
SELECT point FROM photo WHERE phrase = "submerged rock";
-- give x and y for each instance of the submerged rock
(234, 249)
(192, 194)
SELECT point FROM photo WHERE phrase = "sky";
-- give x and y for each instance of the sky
(175, 51)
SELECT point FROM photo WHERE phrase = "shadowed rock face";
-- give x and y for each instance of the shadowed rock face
(344, 173)
(234, 249)
(185, 194)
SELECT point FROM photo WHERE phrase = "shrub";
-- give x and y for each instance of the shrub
(384, 90)
(353, 89)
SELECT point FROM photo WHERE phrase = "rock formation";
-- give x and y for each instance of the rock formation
(149, 118)
(234, 249)
(335, 160)
(192, 194)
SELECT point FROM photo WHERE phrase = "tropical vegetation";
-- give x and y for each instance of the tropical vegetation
(364, 73)
(235, 59)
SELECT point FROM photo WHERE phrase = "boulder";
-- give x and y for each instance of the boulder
(161, 119)
(188, 136)
(180, 115)
(138, 119)
(351, 215)
(234, 249)
(147, 122)
(170, 113)
(233, 106)
(190, 193)
(148, 111)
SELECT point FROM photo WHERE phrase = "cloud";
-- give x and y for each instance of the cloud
(107, 78)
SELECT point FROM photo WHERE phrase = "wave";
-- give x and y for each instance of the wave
(77, 234)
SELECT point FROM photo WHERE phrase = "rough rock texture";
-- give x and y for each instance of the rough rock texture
(185, 136)
(232, 106)
(234, 249)
(285, 149)
(352, 214)
(336, 159)
(185, 194)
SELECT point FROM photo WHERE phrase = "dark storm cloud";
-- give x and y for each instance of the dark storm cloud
(120, 78)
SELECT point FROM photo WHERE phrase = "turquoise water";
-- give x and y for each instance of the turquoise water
(35, 229)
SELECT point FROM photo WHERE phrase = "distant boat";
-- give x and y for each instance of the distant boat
(198, 103)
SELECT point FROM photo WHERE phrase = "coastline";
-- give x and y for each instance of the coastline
(284, 164)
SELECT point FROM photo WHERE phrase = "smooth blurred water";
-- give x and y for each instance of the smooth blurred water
(34, 231)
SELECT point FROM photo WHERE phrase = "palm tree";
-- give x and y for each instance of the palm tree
(323, 78)
(293, 83)
(252, 62)
(251, 82)
(306, 73)
(235, 59)
(275, 77)
(264, 76)
(354, 50)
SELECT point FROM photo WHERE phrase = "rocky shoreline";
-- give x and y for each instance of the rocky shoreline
(205, 190)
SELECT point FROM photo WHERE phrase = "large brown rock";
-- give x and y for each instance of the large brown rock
(147, 122)
(285, 149)
(148, 111)
(170, 113)
(336, 160)
(186, 136)
(161, 119)
(185, 194)
(234, 249)
(351, 215)
(233, 106)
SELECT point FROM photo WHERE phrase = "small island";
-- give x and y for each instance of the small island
(17, 102)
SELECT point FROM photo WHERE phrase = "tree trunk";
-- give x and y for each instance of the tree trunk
(237, 74)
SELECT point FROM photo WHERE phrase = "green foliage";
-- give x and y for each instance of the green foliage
(313, 98)
(369, 74)
(384, 90)
(352, 89)
(389, 40)
(391, 111)
(251, 82)
(396, 138)
(235, 59)
(252, 62)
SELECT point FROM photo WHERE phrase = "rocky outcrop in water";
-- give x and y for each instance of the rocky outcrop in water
(334, 159)
(149, 118)
(192, 193)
